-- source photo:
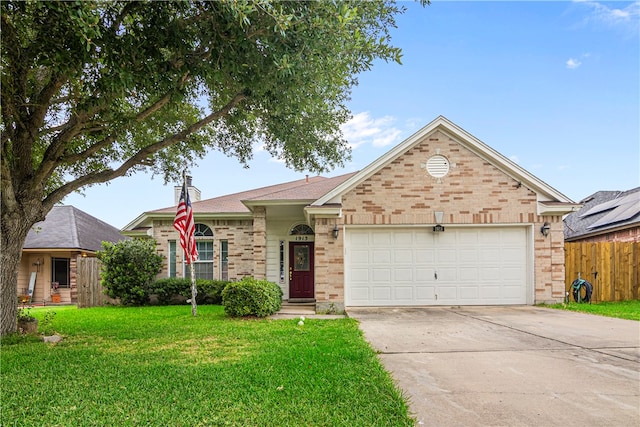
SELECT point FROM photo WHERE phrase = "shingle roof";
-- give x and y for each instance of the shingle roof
(603, 211)
(303, 190)
(67, 227)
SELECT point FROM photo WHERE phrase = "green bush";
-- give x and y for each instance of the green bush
(128, 269)
(166, 289)
(251, 297)
(209, 291)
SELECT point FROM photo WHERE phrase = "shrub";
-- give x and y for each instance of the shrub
(128, 269)
(209, 291)
(251, 297)
(167, 289)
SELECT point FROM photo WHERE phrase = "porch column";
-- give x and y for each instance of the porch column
(260, 242)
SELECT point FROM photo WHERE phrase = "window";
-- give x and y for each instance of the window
(281, 261)
(202, 230)
(224, 260)
(301, 230)
(60, 272)
(172, 258)
(203, 267)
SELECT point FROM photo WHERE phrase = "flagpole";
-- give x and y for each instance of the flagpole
(194, 289)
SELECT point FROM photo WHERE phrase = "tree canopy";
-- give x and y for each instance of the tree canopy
(94, 90)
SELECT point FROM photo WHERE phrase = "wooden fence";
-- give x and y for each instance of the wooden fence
(90, 291)
(611, 267)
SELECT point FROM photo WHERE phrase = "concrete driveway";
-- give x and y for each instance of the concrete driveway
(509, 366)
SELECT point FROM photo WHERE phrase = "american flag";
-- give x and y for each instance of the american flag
(185, 225)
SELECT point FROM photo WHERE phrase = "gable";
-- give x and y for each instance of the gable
(470, 186)
(457, 142)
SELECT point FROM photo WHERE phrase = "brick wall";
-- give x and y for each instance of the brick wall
(473, 192)
(631, 234)
(238, 233)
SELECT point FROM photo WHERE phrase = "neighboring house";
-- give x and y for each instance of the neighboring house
(51, 249)
(606, 216)
(441, 219)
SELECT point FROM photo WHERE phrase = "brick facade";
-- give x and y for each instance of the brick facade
(480, 189)
(474, 192)
(238, 234)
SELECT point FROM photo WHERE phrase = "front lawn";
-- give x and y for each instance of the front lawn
(621, 309)
(159, 366)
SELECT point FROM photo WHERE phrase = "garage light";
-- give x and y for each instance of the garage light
(335, 231)
(545, 229)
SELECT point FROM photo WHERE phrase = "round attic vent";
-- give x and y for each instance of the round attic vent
(438, 166)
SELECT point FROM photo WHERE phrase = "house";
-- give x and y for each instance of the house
(606, 216)
(441, 219)
(50, 251)
(603, 245)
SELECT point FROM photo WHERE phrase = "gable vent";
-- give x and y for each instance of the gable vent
(438, 166)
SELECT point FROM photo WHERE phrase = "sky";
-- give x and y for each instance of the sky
(552, 85)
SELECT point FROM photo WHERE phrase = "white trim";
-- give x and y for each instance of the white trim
(527, 229)
(557, 209)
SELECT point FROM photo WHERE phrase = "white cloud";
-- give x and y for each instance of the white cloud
(626, 17)
(514, 158)
(364, 129)
(572, 63)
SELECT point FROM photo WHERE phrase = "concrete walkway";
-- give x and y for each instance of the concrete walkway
(509, 366)
(293, 310)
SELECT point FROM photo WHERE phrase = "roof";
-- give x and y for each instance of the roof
(322, 196)
(602, 212)
(550, 200)
(302, 191)
(67, 227)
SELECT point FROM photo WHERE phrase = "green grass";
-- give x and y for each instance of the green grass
(159, 366)
(621, 309)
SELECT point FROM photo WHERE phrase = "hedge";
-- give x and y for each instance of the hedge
(175, 290)
(251, 297)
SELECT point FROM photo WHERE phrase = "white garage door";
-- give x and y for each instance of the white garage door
(415, 266)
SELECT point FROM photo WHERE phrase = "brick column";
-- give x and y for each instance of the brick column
(260, 243)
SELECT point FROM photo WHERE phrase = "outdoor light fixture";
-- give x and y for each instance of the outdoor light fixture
(335, 231)
(545, 229)
(438, 228)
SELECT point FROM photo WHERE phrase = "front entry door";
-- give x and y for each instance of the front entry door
(301, 270)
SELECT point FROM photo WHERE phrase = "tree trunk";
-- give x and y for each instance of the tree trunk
(15, 227)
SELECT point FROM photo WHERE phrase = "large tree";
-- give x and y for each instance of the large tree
(94, 90)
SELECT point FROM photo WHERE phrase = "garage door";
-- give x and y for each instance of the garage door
(415, 266)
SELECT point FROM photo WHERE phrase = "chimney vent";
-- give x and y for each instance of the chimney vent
(194, 193)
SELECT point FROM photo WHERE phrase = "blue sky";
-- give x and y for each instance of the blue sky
(554, 86)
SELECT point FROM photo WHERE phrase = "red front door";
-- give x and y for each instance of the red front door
(301, 270)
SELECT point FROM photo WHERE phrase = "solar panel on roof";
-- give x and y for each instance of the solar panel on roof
(611, 204)
(622, 212)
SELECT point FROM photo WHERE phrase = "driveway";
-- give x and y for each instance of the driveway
(509, 366)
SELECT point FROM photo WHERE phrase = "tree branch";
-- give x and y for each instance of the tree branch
(138, 158)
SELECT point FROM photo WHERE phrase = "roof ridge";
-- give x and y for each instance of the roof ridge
(74, 227)
(301, 185)
(260, 190)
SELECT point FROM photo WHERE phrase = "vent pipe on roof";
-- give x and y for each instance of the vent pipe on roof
(306, 179)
